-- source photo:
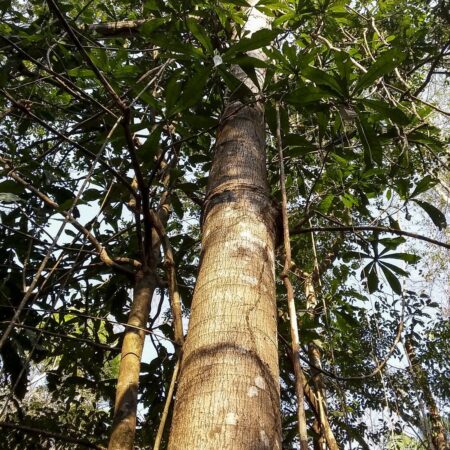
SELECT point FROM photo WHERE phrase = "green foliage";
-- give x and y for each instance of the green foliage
(359, 149)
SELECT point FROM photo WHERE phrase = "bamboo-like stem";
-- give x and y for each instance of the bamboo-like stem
(295, 341)
(166, 406)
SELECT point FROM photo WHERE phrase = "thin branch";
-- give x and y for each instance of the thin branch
(408, 94)
(166, 406)
(379, 367)
(380, 229)
(102, 319)
(115, 28)
(53, 6)
(102, 253)
(64, 437)
(314, 403)
(431, 70)
(174, 295)
(64, 82)
(78, 146)
(64, 336)
(143, 200)
(295, 342)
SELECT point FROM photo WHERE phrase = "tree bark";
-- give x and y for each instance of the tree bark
(228, 393)
(438, 438)
(124, 424)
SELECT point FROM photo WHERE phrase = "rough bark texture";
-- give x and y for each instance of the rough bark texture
(438, 438)
(124, 425)
(228, 394)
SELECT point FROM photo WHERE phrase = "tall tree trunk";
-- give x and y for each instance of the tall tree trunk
(228, 394)
(438, 438)
(124, 424)
(125, 407)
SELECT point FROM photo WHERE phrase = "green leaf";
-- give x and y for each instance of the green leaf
(386, 63)
(345, 320)
(373, 151)
(61, 194)
(423, 138)
(394, 268)
(173, 91)
(297, 140)
(321, 78)
(200, 34)
(349, 200)
(436, 216)
(149, 149)
(392, 280)
(199, 121)
(370, 273)
(79, 72)
(259, 39)
(249, 61)
(151, 5)
(12, 187)
(177, 206)
(306, 95)
(5, 5)
(326, 203)
(91, 195)
(237, 88)
(238, 3)
(388, 111)
(298, 145)
(192, 90)
(8, 197)
(176, 46)
(407, 257)
(427, 182)
(151, 25)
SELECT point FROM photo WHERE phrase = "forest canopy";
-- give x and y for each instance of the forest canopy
(127, 130)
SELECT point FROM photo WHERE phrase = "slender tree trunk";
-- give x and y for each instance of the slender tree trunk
(228, 393)
(321, 425)
(315, 360)
(124, 424)
(438, 438)
(125, 408)
(295, 340)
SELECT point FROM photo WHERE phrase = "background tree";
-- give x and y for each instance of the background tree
(109, 118)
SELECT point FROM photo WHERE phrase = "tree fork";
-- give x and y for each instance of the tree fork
(228, 393)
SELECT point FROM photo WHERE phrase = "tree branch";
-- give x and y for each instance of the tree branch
(53, 6)
(143, 201)
(103, 254)
(59, 436)
(78, 146)
(174, 295)
(380, 229)
(431, 70)
(295, 342)
(64, 82)
(115, 28)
